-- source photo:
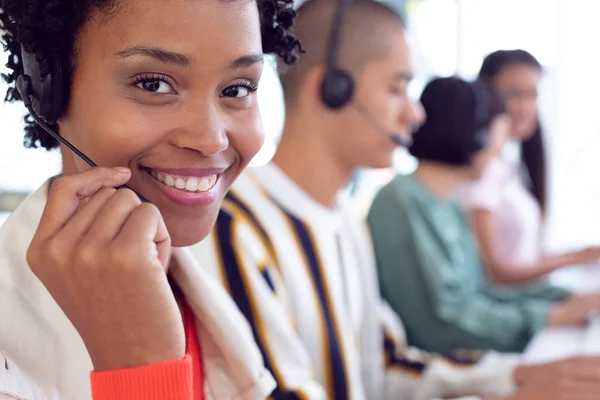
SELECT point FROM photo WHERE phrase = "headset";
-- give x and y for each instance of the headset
(44, 98)
(337, 87)
(482, 115)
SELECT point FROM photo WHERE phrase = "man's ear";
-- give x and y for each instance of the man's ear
(311, 87)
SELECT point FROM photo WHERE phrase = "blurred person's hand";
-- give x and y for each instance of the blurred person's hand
(556, 389)
(589, 256)
(575, 310)
(576, 378)
(579, 368)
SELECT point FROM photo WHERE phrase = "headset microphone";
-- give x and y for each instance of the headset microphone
(42, 96)
(397, 138)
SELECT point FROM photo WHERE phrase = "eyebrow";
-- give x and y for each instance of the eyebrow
(247, 61)
(162, 55)
(171, 57)
(404, 76)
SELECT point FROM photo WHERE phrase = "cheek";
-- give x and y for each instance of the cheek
(247, 137)
(109, 130)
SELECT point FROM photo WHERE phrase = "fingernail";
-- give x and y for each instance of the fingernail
(122, 170)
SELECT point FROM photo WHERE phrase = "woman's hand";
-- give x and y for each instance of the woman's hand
(103, 256)
(588, 256)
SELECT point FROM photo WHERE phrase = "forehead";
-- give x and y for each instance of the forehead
(519, 74)
(397, 54)
(201, 29)
(400, 50)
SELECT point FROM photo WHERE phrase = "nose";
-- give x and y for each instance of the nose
(202, 130)
(414, 114)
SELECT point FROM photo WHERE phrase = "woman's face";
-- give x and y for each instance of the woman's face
(167, 88)
(499, 132)
(518, 85)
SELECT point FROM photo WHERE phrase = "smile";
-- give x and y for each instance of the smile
(186, 183)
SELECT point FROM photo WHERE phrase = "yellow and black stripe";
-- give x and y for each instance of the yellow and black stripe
(241, 292)
(335, 367)
(464, 358)
(232, 202)
(233, 198)
(395, 357)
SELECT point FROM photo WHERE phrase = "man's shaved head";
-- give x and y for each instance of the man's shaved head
(364, 38)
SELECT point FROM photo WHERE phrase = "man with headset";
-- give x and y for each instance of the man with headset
(298, 264)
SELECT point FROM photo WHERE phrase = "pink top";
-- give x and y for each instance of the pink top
(517, 215)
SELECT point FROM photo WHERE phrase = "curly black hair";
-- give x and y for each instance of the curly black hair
(48, 28)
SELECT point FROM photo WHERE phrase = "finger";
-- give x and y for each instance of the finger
(146, 227)
(113, 214)
(66, 193)
(79, 224)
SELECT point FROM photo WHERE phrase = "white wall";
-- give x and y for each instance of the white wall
(453, 36)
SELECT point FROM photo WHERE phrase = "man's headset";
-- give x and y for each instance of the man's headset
(337, 87)
(44, 98)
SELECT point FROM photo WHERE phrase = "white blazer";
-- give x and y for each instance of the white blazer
(43, 357)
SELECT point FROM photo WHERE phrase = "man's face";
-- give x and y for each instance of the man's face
(380, 107)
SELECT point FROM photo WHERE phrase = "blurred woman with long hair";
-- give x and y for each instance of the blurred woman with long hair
(509, 202)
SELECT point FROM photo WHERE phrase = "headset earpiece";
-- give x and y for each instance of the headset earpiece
(481, 116)
(24, 89)
(44, 94)
(337, 88)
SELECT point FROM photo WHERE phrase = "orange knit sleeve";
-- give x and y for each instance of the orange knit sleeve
(171, 380)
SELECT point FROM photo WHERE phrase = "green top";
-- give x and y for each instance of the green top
(431, 274)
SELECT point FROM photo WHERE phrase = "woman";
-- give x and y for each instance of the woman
(161, 95)
(506, 210)
(428, 261)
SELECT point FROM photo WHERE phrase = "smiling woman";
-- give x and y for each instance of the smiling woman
(162, 95)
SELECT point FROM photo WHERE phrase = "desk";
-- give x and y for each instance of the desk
(555, 343)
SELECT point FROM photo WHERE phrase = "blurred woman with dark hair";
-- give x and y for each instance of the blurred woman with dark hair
(427, 258)
(509, 202)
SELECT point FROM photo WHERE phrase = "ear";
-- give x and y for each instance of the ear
(311, 87)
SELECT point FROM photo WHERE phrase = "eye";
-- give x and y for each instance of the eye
(239, 91)
(399, 91)
(154, 84)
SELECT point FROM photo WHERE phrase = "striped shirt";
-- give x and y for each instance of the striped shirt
(304, 277)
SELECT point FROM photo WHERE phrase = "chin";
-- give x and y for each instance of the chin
(188, 232)
(381, 164)
(524, 131)
(477, 175)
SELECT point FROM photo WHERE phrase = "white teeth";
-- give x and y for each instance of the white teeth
(203, 184)
(191, 185)
(180, 183)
